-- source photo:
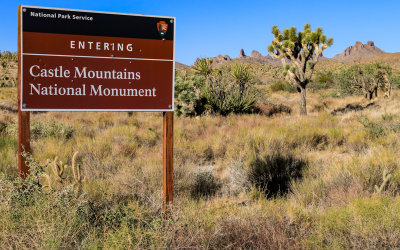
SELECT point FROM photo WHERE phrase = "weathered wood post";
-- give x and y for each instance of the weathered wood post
(168, 144)
(23, 116)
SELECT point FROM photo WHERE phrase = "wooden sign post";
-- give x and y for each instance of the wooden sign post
(23, 116)
(168, 144)
(75, 60)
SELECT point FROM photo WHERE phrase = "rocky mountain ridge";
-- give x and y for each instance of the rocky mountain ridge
(254, 58)
(358, 51)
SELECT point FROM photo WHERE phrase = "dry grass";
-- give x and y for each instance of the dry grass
(333, 205)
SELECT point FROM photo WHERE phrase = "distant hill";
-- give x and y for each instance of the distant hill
(359, 51)
(181, 66)
(391, 59)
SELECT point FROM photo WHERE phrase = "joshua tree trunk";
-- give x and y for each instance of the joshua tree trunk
(387, 87)
(302, 95)
(370, 95)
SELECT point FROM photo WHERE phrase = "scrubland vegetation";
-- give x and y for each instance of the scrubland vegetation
(259, 176)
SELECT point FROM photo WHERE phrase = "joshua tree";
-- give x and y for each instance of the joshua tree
(299, 52)
(370, 77)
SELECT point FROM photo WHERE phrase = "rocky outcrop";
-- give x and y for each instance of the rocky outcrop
(256, 54)
(242, 54)
(255, 58)
(222, 59)
(359, 51)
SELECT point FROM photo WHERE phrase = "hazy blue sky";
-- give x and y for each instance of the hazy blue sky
(208, 28)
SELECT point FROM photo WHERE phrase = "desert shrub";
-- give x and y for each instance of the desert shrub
(273, 173)
(367, 223)
(224, 99)
(322, 80)
(395, 79)
(6, 81)
(345, 79)
(232, 93)
(3, 127)
(237, 181)
(270, 109)
(70, 221)
(282, 86)
(8, 147)
(9, 56)
(188, 101)
(204, 184)
(255, 232)
(45, 129)
(51, 129)
(375, 129)
(222, 91)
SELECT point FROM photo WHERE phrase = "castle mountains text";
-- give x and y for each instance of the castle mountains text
(83, 73)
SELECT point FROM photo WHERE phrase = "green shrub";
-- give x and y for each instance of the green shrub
(374, 129)
(282, 86)
(323, 80)
(223, 91)
(344, 81)
(388, 124)
(234, 93)
(45, 129)
(187, 96)
(346, 77)
(9, 56)
(205, 184)
(223, 98)
(395, 79)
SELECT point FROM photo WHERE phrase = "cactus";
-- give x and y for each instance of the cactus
(385, 179)
(76, 171)
(58, 169)
(299, 53)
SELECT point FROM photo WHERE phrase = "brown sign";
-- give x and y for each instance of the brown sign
(96, 61)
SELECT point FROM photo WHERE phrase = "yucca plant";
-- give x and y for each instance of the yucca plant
(204, 66)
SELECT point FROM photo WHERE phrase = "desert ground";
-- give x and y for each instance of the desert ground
(263, 179)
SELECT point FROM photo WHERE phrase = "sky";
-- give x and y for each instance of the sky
(210, 27)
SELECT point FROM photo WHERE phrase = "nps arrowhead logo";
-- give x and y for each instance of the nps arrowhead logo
(162, 28)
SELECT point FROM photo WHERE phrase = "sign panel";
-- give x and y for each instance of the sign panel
(75, 60)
